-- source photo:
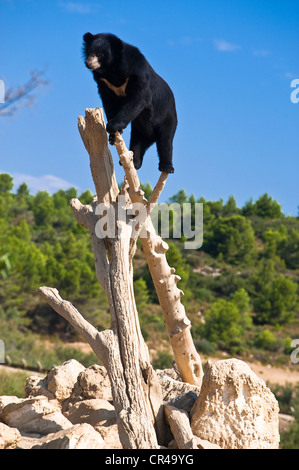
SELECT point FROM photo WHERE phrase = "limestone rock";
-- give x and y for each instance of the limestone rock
(9, 437)
(80, 436)
(204, 444)
(235, 408)
(93, 382)
(35, 415)
(61, 379)
(36, 386)
(96, 412)
(6, 400)
(27, 441)
(172, 373)
(171, 388)
(110, 436)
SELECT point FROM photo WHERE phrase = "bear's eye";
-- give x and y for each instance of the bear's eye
(100, 55)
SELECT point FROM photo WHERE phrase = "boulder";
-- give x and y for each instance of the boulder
(204, 444)
(110, 436)
(36, 386)
(96, 412)
(61, 379)
(172, 388)
(35, 415)
(93, 382)
(80, 436)
(9, 437)
(27, 441)
(235, 408)
(6, 400)
(172, 372)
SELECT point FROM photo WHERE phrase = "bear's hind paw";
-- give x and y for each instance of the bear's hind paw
(168, 168)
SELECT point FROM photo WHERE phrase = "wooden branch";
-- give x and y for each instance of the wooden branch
(147, 208)
(71, 314)
(95, 139)
(157, 191)
(179, 423)
(178, 325)
(85, 216)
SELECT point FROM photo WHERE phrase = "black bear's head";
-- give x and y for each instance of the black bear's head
(101, 51)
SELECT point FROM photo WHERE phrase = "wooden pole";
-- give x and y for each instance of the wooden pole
(154, 248)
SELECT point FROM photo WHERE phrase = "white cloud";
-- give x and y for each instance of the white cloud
(79, 7)
(48, 183)
(225, 46)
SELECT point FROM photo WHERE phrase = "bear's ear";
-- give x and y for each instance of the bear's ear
(87, 38)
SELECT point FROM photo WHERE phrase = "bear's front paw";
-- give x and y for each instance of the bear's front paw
(112, 129)
(112, 139)
(166, 168)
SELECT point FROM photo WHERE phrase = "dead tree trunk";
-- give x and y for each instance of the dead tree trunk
(135, 387)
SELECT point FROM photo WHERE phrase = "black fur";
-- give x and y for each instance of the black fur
(148, 102)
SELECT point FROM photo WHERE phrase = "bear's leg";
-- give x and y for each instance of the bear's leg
(138, 145)
(165, 148)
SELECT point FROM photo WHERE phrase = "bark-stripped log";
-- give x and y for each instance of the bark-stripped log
(179, 423)
(178, 325)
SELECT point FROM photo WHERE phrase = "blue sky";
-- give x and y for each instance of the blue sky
(230, 64)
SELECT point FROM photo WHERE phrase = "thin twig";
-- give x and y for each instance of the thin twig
(16, 98)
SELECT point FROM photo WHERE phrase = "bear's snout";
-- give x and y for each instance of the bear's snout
(92, 63)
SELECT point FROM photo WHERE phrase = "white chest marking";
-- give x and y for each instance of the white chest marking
(119, 91)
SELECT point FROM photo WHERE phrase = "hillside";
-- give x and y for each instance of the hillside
(240, 287)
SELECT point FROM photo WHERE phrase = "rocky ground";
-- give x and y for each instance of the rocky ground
(72, 407)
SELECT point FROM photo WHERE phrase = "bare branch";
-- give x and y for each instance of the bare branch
(71, 314)
(180, 427)
(93, 133)
(17, 98)
(157, 191)
(86, 217)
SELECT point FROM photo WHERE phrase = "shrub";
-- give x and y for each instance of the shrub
(163, 360)
(266, 340)
(276, 301)
(232, 239)
(205, 346)
(226, 322)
